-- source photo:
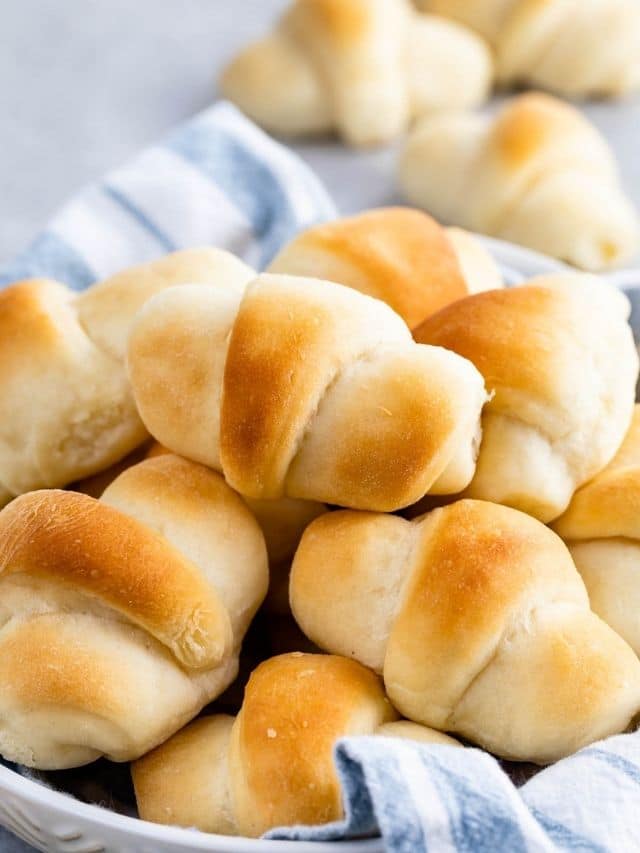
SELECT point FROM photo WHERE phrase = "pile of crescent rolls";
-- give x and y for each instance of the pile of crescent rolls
(537, 173)
(426, 484)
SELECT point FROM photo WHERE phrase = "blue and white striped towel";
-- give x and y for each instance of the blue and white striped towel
(442, 799)
(216, 181)
(220, 181)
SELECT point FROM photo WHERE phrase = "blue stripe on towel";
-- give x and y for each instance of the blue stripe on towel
(140, 217)
(468, 805)
(376, 797)
(267, 186)
(402, 836)
(564, 837)
(617, 762)
(244, 178)
(357, 797)
(49, 256)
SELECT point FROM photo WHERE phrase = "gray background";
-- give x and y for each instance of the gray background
(86, 83)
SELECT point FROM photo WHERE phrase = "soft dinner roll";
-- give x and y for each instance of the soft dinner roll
(396, 254)
(273, 764)
(602, 529)
(578, 48)
(282, 521)
(122, 617)
(478, 621)
(362, 67)
(559, 360)
(308, 390)
(538, 174)
(66, 410)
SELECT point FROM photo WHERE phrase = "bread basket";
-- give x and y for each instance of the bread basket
(56, 822)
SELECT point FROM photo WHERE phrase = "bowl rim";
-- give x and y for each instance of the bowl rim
(517, 264)
(67, 806)
(523, 263)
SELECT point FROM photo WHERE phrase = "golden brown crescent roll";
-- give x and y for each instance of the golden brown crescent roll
(282, 521)
(362, 67)
(66, 409)
(273, 764)
(572, 47)
(307, 390)
(538, 174)
(478, 621)
(559, 360)
(602, 529)
(122, 617)
(396, 254)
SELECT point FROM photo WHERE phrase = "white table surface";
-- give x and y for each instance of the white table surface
(86, 83)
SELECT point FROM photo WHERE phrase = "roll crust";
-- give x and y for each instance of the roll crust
(398, 255)
(562, 45)
(282, 522)
(66, 408)
(323, 394)
(607, 506)
(74, 540)
(474, 605)
(538, 174)
(550, 425)
(602, 531)
(140, 599)
(362, 67)
(272, 766)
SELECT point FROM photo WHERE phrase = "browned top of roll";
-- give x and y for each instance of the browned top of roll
(296, 706)
(30, 322)
(609, 505)
(75, 540)
(396, 254)
(530, 123)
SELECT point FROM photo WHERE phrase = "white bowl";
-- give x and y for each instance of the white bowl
(58, 823)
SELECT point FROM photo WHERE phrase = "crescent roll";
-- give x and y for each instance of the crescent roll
(395, 254)
(273, 764)
(576, 48)
(66, 409)
(121, 617)
(559, 360)
(362, 67)
(538, 174)
(282, 522)
(308, 390)
(602, 529)
(478, 621)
